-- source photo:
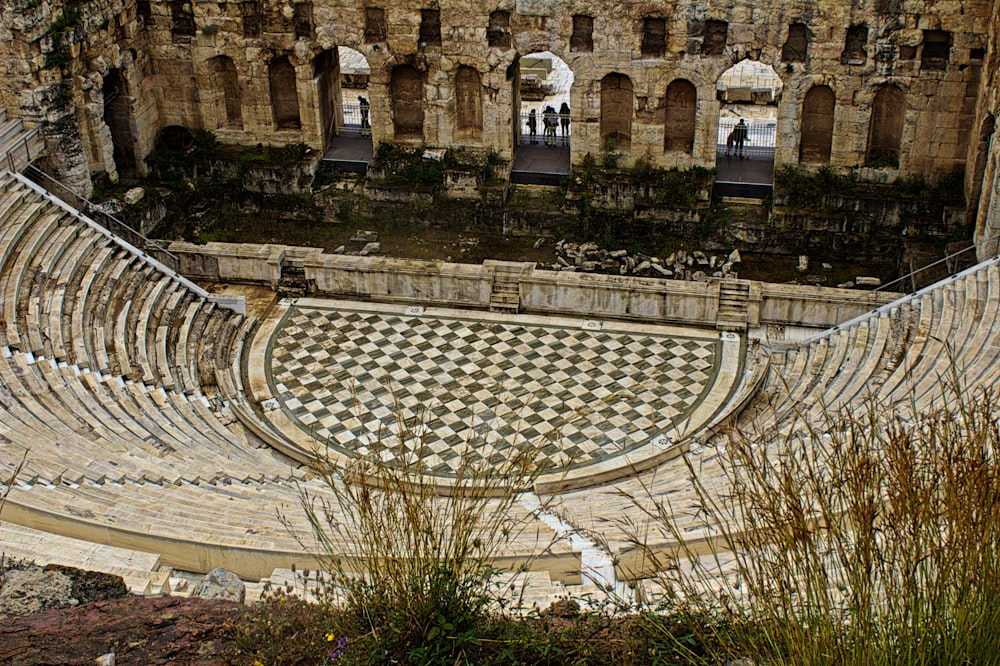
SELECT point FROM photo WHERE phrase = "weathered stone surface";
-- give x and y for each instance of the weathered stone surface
(146, 631)
(31, 589)
(220, 584)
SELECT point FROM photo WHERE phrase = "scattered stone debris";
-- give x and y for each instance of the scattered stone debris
(803, 263)
(370, 248)
(863, 281)
(220, 583)
(680, 265)
(361, 236)
(134, 196)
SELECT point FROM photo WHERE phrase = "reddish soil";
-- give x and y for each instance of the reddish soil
(140, 631)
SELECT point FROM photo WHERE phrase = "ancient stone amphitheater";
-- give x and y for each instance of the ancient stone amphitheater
(162, 431)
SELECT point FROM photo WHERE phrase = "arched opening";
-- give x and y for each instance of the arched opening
(406, 87)
(617, 108)
(748, 93)
(817, 125)
(886, 130)
(176, 138)
(341, 77)
(118, 117)
(284, 95)
(679, 115)
(543, 120)
(468, 103)
(226, 84)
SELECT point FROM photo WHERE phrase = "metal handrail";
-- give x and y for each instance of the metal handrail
(907, 298)
(116, 227)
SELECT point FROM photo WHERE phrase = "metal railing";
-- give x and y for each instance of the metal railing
(759, 143)
(557, 134)
(948, 261)
(355, 119)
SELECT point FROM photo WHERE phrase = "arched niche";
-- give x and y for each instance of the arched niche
(468, 103)
(885, 133)
(284, 95)
(226, 81)
(617, 108)
(817, 125)
(680, 113)
(118, 118)
(406, 87)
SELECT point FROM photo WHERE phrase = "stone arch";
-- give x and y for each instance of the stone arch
(468, 103)
(118, 118)
(326, 80)
(680, 116)
(284, 94)
(816, 138)
(406, 88)
(545, 84)
(885, 134)
(616, 110)
(227, 82)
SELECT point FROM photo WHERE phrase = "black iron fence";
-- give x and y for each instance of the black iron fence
(758, 142)
(535, 131)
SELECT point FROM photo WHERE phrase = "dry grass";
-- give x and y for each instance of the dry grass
(872, 538)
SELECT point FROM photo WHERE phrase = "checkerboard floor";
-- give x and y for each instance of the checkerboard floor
(443, 388)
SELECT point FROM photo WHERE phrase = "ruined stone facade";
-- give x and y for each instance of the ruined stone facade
(881, 86)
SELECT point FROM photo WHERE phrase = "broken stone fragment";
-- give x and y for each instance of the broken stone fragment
(734, 257)
(642, 267)
(700, 258)
(370, 248)
(867, 281)
(134, 196)
(803, 265)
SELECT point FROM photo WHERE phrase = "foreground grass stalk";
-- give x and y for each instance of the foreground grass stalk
(871, 537)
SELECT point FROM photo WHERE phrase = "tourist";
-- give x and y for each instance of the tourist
(550, 122)
(365, 108)
(739, 136)
(533, 126)
(564, 119)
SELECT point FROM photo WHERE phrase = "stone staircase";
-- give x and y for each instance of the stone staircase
(506, 295)
(733, 299)
(18, 146)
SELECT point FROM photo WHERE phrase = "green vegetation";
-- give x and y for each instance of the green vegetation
(872, 537)
(809, 190)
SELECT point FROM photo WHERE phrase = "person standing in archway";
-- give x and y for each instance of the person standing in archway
(739, 136)
(365, 110)
(564, 120)
(533, 126)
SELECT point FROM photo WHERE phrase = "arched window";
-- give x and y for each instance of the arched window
(817, 125)
(407, 90)
(679, 116)
(227, 82)
(886, 131)
(118, 117)
(284, 97)
(468, 103)
(616, 111)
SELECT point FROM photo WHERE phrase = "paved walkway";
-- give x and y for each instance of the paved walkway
(587, 395)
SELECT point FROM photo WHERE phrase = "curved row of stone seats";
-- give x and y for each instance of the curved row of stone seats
(62, 280)
(222, 521)
(900, 355)
(141, 571)
(102, 426)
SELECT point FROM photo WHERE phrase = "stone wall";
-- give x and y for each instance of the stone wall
(239, 69)
(434, 283)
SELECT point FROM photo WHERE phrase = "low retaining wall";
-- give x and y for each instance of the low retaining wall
(437, 283)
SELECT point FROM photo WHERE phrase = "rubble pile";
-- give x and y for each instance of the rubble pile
(679, 265)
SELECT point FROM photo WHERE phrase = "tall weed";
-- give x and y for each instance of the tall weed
(871, 537)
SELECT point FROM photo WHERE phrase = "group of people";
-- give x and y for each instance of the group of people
(551, 119)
